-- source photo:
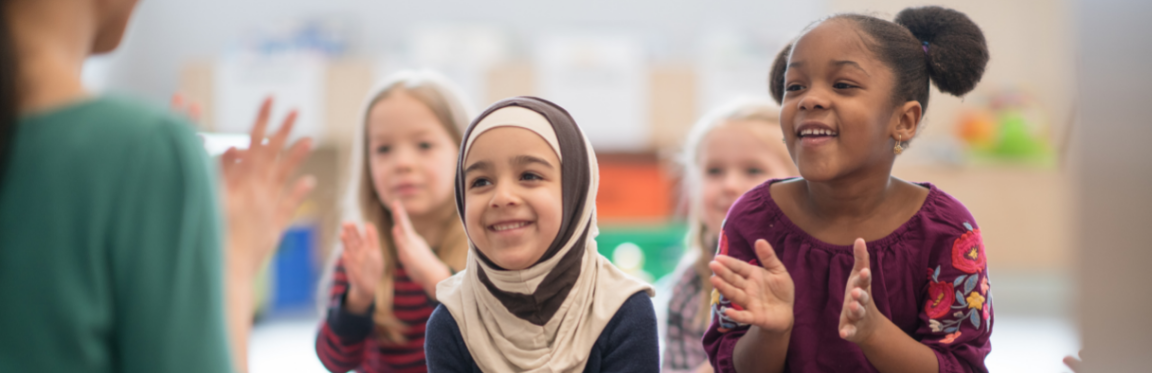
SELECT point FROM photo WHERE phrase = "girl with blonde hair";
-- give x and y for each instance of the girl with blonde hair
(730, 150)
(383, 285)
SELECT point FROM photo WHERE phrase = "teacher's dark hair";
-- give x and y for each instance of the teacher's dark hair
(8, 93)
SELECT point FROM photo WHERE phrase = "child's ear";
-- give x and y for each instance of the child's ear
(907, 118)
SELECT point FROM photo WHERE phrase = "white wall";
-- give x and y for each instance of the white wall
(167, 33)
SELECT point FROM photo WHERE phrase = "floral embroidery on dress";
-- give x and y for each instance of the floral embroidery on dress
(963, 300)
(968, 251)
(966, 297)
(950, 338)
(940, 297)
(975, 300)
(722, 247)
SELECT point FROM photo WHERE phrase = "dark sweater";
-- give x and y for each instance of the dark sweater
(627, 344)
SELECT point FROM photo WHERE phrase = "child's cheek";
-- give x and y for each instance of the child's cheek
(379, 175)
(549, 208)
(472, 224)
(709, 200)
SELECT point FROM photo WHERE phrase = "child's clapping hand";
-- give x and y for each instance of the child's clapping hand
(364, 264)
(765, 292)
(858, 319)
(414, 253)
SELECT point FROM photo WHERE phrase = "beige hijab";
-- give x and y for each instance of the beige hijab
(547, 317)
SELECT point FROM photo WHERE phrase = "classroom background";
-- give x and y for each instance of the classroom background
(635, 74)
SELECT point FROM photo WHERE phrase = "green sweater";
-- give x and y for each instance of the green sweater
(110, 244)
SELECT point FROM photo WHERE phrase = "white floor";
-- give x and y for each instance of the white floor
(1020, 344)
(1033, 330)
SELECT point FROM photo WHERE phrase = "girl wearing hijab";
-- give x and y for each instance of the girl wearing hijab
(535, 295)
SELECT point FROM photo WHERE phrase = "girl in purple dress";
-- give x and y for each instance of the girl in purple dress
(848, 269)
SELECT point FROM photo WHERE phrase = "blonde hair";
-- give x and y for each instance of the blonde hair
(742, 109)
(448, 104)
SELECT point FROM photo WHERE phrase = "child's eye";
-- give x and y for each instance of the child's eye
(793, 87)
(383, 149)
(714, 171)
(424, 145)
(479, 182)
(843, 86)
(755, 171)
(528, 176)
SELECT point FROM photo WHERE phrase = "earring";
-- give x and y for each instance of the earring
(898, 149)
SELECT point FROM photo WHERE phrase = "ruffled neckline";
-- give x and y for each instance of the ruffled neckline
(929, 205)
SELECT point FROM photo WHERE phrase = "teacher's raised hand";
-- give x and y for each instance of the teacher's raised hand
(259, 202)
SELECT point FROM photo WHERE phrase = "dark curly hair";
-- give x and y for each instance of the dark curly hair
(922, 44)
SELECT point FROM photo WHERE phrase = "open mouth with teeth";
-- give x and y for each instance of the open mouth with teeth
(817, 132)
(507, 226)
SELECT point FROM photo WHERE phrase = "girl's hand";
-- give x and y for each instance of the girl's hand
(766, 293)
(414, 254)
(859, 317)
(189, 108)
(364, 264)
(259, 202)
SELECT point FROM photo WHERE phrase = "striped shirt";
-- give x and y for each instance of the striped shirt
(348, 341)
(683, 348)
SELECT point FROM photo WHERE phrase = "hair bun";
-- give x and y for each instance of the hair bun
(956, 51)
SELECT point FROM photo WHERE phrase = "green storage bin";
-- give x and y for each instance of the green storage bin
(660, 247)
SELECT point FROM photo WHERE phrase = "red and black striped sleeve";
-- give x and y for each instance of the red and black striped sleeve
(341, 343)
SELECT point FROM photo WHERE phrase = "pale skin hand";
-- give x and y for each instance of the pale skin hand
(364, 264)
(767, 295)
(414, 254)
(188, 108)
(885, 345)
(705, 368)
(259, 204)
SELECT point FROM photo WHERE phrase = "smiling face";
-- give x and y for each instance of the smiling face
(837, 113)
(512, 197)
(735, 157)
(411, 154)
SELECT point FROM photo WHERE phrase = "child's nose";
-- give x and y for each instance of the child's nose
(504, 196)
(404, 160)
(732, 183)
(814, 100)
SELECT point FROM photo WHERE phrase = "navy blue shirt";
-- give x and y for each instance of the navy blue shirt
(627, 344)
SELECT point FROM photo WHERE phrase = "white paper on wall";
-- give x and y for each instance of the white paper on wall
(243, 81)
(732, 64)
(602, 82)
(464, 52)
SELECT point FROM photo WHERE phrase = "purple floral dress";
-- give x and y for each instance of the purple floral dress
(930, 278)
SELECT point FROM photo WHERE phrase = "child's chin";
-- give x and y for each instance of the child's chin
(414, 205)
(513, 264)
(515, 261)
